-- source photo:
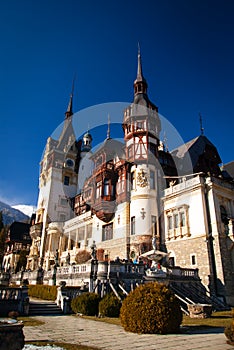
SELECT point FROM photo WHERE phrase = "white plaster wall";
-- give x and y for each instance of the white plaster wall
(194, 201)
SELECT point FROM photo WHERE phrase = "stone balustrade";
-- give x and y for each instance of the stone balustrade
(180, 273)
(14, 299)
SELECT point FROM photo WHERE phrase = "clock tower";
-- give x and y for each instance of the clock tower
(57, 185)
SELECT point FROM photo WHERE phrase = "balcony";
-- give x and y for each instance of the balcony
(36, 230)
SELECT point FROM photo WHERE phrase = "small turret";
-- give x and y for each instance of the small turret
(87, 142)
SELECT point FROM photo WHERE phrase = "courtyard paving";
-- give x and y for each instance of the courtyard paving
(78, 330)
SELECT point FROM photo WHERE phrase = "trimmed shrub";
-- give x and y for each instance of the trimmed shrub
(42, 291)
(86, 304)
(151, 308)
(110, 306)
(229, 331)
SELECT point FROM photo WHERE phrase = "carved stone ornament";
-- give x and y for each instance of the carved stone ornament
(142, 180)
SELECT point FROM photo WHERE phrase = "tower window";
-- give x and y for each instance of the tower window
(139, 126)
(66, 180)
(133, 225)
(63, 202)
(62, 217)
(152, 179)
(153, 148)
(133, 183)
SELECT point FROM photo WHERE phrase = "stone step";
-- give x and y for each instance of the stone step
(44, 308)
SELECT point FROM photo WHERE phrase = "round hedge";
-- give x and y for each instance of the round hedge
(86, 304)
(110, 306)
(151, 308)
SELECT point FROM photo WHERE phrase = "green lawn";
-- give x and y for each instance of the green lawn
(218, 319)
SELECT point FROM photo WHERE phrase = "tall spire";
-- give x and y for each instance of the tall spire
(69, 111)
(140, 84)
(140, 76)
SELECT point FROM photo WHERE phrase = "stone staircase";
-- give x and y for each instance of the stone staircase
(195, 294)
(43, 308)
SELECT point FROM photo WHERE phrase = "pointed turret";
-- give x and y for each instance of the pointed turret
(140, 84)
(87, 142)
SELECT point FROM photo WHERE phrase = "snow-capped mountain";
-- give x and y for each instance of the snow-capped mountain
(26, 209)
(10, 214)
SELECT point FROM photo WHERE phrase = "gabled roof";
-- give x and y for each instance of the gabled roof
(195, 148)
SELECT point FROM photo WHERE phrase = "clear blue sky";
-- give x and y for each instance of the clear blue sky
(187, 50)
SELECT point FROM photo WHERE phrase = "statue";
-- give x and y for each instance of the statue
(56, 258)
(93, 251)
(68, 259)
(154, 243)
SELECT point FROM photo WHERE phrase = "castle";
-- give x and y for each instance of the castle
(122, 194)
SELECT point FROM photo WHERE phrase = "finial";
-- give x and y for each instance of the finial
(108, 128)
(201, 126)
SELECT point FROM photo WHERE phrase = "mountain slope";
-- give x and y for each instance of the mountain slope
(10, 214)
